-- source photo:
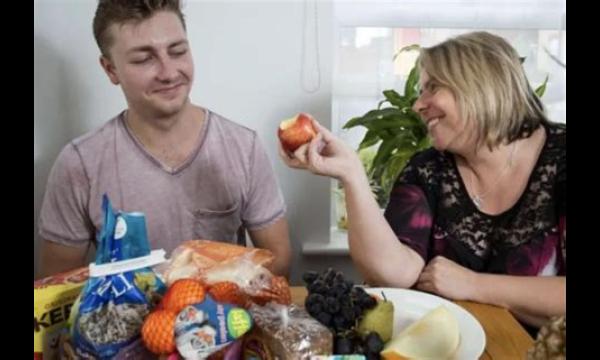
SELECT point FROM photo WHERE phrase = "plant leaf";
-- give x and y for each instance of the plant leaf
(371, 116)
(542, 88)
(394, 123)
(424, 143)
(410, 88)
(413, 47)
(420, 129)
(402, 141)
(395, 99)
(383, 153)
(395, 165)
(371, 138)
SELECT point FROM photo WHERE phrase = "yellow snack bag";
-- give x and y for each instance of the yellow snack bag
(52, 300)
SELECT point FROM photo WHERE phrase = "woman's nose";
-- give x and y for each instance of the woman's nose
(420, 105)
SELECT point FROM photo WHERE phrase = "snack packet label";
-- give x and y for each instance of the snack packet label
(238, 322)
(205, 328)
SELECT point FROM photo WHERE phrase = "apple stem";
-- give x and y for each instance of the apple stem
(384, 298)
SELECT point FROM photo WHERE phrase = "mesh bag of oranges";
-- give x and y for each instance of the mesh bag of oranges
(190, 322)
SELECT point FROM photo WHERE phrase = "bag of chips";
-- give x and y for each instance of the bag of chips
(121, 289)
(53, 298)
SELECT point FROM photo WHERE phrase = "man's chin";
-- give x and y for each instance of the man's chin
(170, 109)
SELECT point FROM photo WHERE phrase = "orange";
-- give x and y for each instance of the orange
(229, 293)
(279, 292)
(182, 293)
(158, 332)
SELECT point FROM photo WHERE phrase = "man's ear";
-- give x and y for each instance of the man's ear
(109, 69)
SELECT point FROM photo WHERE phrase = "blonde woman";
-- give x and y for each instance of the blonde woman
(481, 215)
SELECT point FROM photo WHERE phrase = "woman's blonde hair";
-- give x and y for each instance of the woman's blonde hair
(485, 74)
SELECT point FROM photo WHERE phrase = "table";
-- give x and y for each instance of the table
(505, 337)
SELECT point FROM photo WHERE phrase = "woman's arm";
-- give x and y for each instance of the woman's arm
(532, 299)
(375, 249)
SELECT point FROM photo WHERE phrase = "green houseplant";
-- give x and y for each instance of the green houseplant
(395, 132)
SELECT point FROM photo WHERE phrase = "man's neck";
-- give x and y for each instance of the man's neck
(154, 130)
(170, 139)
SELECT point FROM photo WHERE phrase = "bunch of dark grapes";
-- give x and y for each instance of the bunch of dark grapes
(352, 343)
(336, 303)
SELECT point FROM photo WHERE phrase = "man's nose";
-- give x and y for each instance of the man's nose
(167, 70)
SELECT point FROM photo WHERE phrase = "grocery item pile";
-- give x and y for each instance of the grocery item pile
(209, 300)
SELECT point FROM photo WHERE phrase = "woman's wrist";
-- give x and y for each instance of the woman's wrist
(479, 290)
(354, 178)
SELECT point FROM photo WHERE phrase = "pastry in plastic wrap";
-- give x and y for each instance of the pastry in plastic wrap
(253, 280)
(214, 263)
(192, 258)
(285, 332)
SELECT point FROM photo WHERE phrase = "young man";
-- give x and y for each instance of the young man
(193, 173)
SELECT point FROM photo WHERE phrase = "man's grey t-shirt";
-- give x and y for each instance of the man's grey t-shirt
(226, 182)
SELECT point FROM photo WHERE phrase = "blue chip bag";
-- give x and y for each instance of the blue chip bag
(112, 307)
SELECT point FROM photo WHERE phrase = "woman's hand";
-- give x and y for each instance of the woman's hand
(325, 155)
(446, 278)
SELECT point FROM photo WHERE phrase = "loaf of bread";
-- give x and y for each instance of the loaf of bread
(285, 332)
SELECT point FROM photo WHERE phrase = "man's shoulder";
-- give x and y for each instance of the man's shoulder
(229, 127)
(97, 138)
(88, 145)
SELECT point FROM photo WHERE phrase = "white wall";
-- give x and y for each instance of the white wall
(247, 56)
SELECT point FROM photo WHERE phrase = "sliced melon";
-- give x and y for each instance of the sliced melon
(435, 336)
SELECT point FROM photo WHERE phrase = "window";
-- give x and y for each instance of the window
(368, 34)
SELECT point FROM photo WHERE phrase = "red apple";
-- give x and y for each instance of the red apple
(296, 131)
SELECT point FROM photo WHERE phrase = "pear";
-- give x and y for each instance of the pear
(379, 319)
(435, 336)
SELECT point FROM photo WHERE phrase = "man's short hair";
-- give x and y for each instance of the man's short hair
(111, 12)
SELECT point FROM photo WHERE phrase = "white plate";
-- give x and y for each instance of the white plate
(410, 306)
